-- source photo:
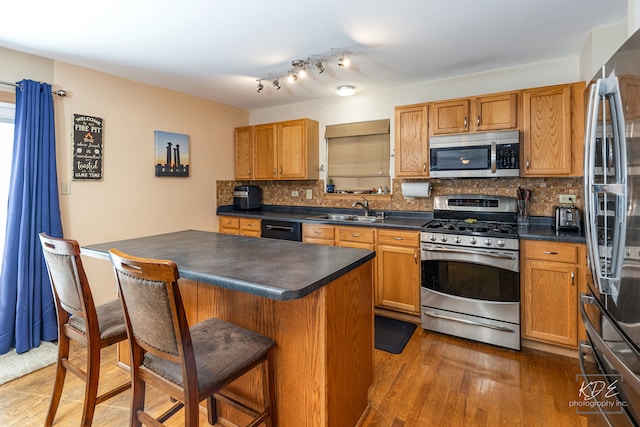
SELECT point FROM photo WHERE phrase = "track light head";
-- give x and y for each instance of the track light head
(276, 84)
(319, 67)
(260, 86)
(292, 77)
(344, 61)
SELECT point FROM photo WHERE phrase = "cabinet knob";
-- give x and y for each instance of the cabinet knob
(527, 164)
(573, 278)
(465, 122)
(550, 253)
(274, 171)
(424, 167)
(478, 121)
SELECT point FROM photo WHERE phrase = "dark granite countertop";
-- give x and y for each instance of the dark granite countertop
(276, 269)
(540, 228)
(543, 228)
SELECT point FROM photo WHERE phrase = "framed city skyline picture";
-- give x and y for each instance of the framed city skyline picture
(171, 154)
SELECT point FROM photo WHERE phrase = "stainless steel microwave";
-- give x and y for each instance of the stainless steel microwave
(475, 155)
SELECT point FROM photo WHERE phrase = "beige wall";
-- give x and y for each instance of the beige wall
(130, 201)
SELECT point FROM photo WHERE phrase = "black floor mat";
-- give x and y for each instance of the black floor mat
(392, 335)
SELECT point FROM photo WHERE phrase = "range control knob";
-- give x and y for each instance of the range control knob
(487, 242)
(473, 241)
(500, 243)
(458, 239)
(433, 238)
(443, 237)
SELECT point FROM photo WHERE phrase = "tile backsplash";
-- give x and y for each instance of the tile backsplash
(545, 192)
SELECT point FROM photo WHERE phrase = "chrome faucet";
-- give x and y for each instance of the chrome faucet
(365, 206)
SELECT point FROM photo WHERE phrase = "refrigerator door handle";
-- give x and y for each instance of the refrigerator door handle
(590, 197)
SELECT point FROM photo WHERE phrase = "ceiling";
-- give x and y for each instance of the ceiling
(217, 49)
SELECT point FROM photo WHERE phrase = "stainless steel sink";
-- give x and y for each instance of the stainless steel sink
(347, 217)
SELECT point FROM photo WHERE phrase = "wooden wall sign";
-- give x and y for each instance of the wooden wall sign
(87, 147)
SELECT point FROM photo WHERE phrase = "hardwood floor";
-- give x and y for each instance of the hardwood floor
(436, 381)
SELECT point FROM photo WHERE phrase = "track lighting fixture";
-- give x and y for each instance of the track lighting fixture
(302, 67)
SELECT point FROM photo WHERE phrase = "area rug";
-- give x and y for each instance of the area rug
(14, 365)
(392, 335)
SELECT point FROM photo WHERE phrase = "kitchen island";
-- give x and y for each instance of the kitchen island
(314, 301)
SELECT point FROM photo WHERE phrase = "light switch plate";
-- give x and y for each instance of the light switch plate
(65, 187)
(309, 193)
(294, 193)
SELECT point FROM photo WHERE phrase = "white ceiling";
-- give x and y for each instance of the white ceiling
(216, 49)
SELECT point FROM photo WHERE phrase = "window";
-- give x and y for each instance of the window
(7, 116)
(358, 156)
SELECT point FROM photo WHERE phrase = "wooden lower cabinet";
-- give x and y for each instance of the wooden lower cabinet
(551, 279)
(240, 226)
(318, 233)
(397, 262)
(398, 258)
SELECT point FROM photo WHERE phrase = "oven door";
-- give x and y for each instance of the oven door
(478, 274)
(612, 383)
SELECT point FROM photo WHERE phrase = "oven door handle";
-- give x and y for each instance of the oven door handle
(469, 322)
(279, 227)
(463, 251)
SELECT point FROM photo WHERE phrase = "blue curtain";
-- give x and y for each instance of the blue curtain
(27, 309)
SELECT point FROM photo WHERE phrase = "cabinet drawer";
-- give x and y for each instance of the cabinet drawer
(551, 251)
(250, 224)
(356, 234)
(229, 222)
(315, 231)
(399, 238)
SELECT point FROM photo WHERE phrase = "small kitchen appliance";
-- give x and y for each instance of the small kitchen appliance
(567, 218)
(247, 197)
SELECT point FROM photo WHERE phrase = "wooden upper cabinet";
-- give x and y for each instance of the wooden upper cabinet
(264, 152)
(298, 149)
(244, 152)
(553, 131)
(495, 112)
(411, 141)
(478, 114)
(449, 117)
(282, 150)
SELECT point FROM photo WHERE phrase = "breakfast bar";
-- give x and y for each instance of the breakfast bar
(314, 301)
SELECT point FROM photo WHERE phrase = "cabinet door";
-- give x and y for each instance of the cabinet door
(398, 278)
(550, 302)
(250, 227)
(449, 117)
(292, 150)
(495, 112)
(411, 141)
(244, 152)
(547, 131)
(264, 153)
(229, 225)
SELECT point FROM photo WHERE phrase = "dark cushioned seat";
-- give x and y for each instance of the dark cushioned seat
(79, 320)
(190, 364)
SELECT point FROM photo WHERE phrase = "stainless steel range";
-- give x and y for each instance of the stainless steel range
(471, 269)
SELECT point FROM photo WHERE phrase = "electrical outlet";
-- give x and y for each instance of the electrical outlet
(567, 198)
(294, 193)
(309, 193)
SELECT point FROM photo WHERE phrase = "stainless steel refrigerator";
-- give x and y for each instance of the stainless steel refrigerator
(611, 308)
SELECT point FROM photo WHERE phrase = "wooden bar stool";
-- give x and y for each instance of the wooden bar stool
(79, 320)
(188, 364)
